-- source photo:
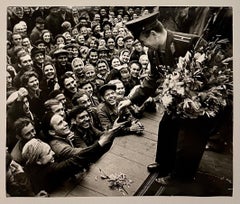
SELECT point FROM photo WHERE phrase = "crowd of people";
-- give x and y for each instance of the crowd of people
(68, 68)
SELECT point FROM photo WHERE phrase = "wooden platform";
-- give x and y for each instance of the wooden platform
(129, 155)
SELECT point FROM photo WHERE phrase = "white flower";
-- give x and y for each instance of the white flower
(167, 100)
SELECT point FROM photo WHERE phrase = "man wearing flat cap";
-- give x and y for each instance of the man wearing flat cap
(174, 160)
(61, 62)
(37, 30)
(38, 57)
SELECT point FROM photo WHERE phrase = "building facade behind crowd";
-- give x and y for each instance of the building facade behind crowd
(59, 60)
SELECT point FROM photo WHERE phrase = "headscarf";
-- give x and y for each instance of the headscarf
(32, 150)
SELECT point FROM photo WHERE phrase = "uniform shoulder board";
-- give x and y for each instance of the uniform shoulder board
(183, 37)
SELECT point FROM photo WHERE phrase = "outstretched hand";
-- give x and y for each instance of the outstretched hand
(124, 104)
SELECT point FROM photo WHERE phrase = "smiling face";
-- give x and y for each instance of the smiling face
(39, 58)
(88, 88)
(83, 120)
(78, 66)
(85, 101)
(102, 68)
(33, 83)
(116, 62)
(47, 37)
(70, 85)
(110, 97)
(49, 71)
(125, 57)
(59, 126)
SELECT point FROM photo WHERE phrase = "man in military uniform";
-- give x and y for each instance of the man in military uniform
(178, 155)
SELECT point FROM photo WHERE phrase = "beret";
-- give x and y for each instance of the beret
(142, 23)
(105, 87)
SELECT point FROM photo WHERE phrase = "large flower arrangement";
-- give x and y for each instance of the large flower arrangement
(201, 83)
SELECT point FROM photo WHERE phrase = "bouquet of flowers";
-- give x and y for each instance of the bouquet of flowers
(201, 83)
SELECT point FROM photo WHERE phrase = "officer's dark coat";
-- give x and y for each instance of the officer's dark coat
(177, 45)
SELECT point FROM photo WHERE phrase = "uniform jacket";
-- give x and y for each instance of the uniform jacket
(177, 44)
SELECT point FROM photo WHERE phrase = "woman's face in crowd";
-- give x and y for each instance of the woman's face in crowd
(121, 31)
(75, 52)
(115, 31)
(81, 39)
(125, 75)
(98, 29)
(90, 75)
(115, 62)
(78, 67)
(125, 57)
(60, 40)
(33, 83)
(120, 42)
(49, 71)
(88, 88)
(46, 37)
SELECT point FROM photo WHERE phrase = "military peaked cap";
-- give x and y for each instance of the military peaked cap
(143, 23)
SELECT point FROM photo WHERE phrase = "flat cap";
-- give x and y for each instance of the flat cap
(40, 20)
(105, 87)
(36, 50)
(60, 51)
(142, 23)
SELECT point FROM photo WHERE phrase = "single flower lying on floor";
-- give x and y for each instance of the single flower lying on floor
(117, 181)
